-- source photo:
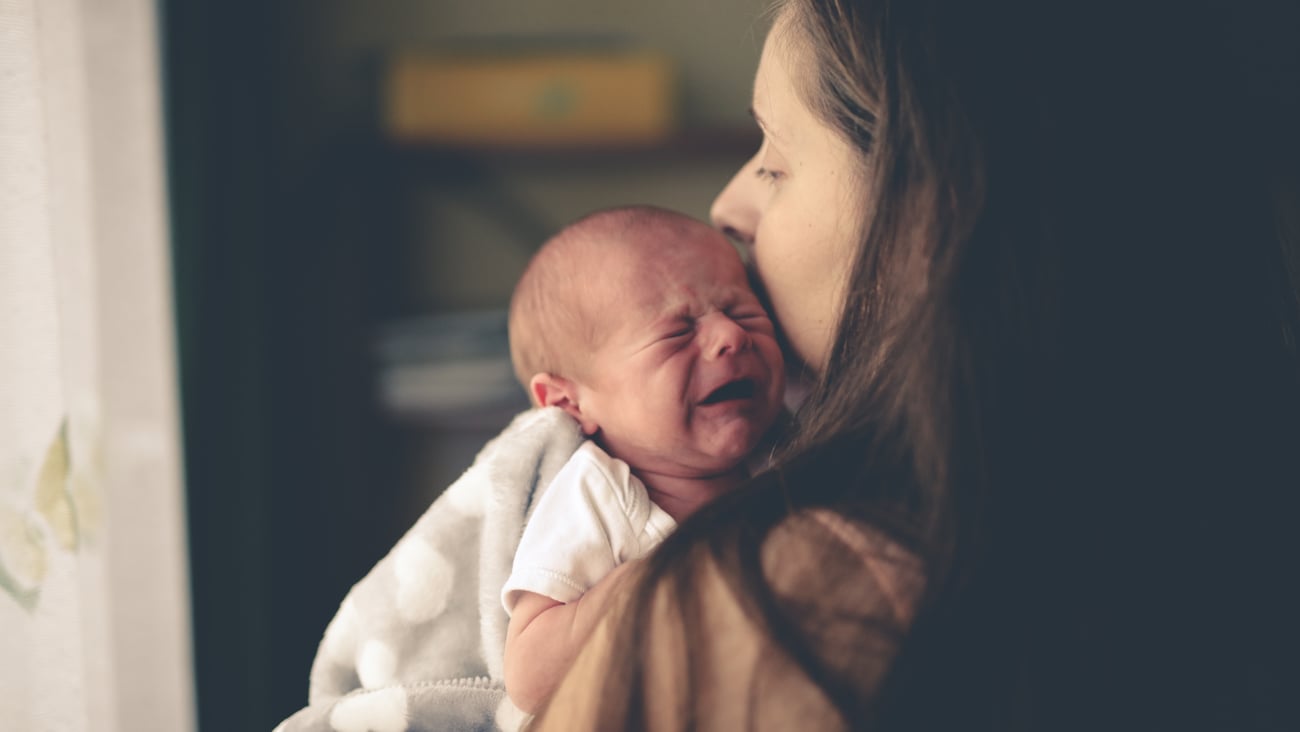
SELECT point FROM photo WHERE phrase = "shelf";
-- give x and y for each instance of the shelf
(450, 369)
(701, 144)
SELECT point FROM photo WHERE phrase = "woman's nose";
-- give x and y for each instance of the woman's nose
(735, 211)
(724, 336)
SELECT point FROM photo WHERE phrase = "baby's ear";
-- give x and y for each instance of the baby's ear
(549, 390)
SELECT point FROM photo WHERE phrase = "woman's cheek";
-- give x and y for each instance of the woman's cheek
(805, 296)
(775, 247)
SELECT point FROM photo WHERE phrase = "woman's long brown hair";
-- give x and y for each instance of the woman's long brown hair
(1066, 373)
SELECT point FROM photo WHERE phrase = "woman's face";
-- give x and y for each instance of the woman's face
(796, 205)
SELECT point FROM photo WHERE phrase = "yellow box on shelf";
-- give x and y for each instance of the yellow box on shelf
(544, 99)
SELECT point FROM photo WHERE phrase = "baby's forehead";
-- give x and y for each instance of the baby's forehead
(641, 290)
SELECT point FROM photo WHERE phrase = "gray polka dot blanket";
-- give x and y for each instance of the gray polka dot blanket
(418, 644)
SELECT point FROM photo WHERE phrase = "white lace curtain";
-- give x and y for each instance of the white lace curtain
(94, 629)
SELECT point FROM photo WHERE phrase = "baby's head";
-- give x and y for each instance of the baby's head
(640, 323)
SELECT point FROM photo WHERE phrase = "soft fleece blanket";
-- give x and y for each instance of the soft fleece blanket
(418, 644)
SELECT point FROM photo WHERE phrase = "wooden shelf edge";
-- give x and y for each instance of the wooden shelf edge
(705, 142)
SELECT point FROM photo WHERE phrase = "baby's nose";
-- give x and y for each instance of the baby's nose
(725, 336)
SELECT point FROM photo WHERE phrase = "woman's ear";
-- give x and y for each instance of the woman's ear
(549, 390)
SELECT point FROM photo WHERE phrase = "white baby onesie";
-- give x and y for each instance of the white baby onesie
(594, 516)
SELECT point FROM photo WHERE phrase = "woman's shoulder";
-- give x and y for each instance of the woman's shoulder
(820, 549)
(849, 590)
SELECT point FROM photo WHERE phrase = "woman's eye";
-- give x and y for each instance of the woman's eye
(769, 175)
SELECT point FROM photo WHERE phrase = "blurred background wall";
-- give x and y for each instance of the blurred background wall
(339, 294)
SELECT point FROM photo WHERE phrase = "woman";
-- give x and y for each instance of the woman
(1039, 279)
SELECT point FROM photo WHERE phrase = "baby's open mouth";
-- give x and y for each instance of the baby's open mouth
(739, 389)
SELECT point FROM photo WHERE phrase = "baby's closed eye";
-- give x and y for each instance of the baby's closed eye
(681, 329)
(750, 316)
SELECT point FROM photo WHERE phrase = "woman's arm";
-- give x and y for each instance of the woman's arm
(545, 635)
